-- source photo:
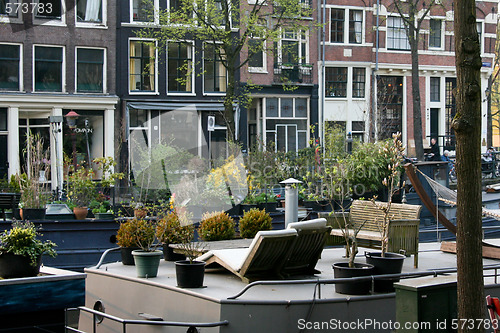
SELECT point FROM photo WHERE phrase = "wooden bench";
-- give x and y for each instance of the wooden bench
(9, 201)
(368, 218)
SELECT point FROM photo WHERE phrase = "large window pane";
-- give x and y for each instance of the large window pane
(256, 53)
(435, 33)
(337, 25)
(49, 9)
(301, 108)
(435, 89)
(179, 67)
(358, 82)
(396, 34)
(142, 66)
(272, 107)
(355, 26)
(89, 10)
(89, 70)
(336, 82)
(8, 10)
(214, 70)
(9, 67)
(142, 11)
(48, 68)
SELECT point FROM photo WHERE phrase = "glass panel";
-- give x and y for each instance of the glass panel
(142, 67)
(301, 108)
(89, 70)
(287, 107)
(4, 8)
(48, 68)
(358, 126)
(142, 11)
(89, 11)
(435, 88)
(215, 72)
(179, 67)
(9, 67)
(50, 9)
(355, 26)
(138, 118)
(272, 107)
(302, 139)
(435, 33)
(291, 138)
(3, 119)
(337, 26)
(336, 82)
(358, 82)
(281, 138)
(256, 53)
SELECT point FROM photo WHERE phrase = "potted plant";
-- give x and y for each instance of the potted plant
(21, 251)
(267, 201)
(80, 190)
(254, 221)
(170, 231)
(190, 273)
(147, 258)
(101, 209)
(216, 226)
(388, 262)
(33, 182)
(248, 203)
(127, 240)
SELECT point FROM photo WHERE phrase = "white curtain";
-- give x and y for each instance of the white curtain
(92, 10)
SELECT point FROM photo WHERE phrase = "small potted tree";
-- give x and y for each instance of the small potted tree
(147, 258)
(170, 231)
(81, 190)
(387, 262)
(21, 251)
(216, 226)
(127, 240)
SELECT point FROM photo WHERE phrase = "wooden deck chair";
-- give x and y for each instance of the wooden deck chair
(307, 248)
(264, 259)
(493, 305)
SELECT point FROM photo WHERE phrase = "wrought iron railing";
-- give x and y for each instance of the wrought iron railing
(293, 73)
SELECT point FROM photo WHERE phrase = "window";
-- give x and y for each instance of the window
(142, 66)
(256, 53)
(355, 26)
(48, 68)
(358, 82)
(9, 8)
(451, 111)
(358, 130)
(435, 33)
(9, 67)
(142, 11)
(180, 67)
(89, 11)
(293, 47)
(435, 88)
(49, 9)
(480, 33)
(89, 70)
(396, 34)
(390, 105)
(336, 82)
(286, 123)
(337, 26)
(214, 70)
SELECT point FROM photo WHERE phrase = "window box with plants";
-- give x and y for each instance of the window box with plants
(267, 201)
(101, 208)
(21, 251)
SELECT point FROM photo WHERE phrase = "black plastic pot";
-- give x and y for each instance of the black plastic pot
(342, 270)
(17, 266)
(127, 257)
(31, 214)
(190, 275)
(170, 255)
(391, 263)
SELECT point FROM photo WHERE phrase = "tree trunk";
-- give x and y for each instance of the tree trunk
(228, 106)
(417, 110)
(467, 126)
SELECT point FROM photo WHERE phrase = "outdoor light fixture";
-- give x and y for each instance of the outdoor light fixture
(71, 118)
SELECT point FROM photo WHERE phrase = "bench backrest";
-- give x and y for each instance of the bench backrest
(9, 200)
(369, 216)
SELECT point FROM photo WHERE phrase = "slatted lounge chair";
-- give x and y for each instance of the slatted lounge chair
(308, 247)
(264, 259)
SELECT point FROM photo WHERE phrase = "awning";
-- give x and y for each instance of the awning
(170, 106)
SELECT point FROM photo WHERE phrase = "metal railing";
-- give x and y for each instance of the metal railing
(98, 317)
(293, 73)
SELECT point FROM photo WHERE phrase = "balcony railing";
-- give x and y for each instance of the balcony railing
(294, 73)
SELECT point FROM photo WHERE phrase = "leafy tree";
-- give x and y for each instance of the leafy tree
(467, 126)
(232, 32)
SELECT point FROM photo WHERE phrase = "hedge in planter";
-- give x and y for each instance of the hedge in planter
(216, 226)
(254, 221)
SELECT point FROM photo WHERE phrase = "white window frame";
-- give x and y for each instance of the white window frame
(48, 21)
(210, 93)
(102, 24)
(193, 77)
(104, 69)
(20, 79)
(156, 16)
(347, 11)
(302, 59)
(441, 47)
(145, 92)
(399, 28)
(63, 68)
(263, 68)
(480, 25)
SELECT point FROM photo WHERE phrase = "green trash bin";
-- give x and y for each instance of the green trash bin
(427, 304)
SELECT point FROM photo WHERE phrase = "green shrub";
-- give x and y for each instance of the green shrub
(169, 230)
(216, 226)
(253, 221)
(127, 234)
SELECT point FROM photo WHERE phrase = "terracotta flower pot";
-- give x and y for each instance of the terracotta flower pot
(80, 212)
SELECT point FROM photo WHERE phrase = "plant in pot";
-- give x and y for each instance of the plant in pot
(190, 273)
(216, 226)
(267, 201)
(254, 221)
(147, 258)
(101, 208)
(169, 230)
(33, 182)
(21, 251)
(127, 240)
(80, 190)
(387, 262)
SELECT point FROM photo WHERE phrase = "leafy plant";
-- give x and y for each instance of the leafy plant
(169, 230)
(265, 197)
(126, 235)
(137, 233)
(99, 207)
(253, 221)
(80, 187)
(216, 226)
(22, 240)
